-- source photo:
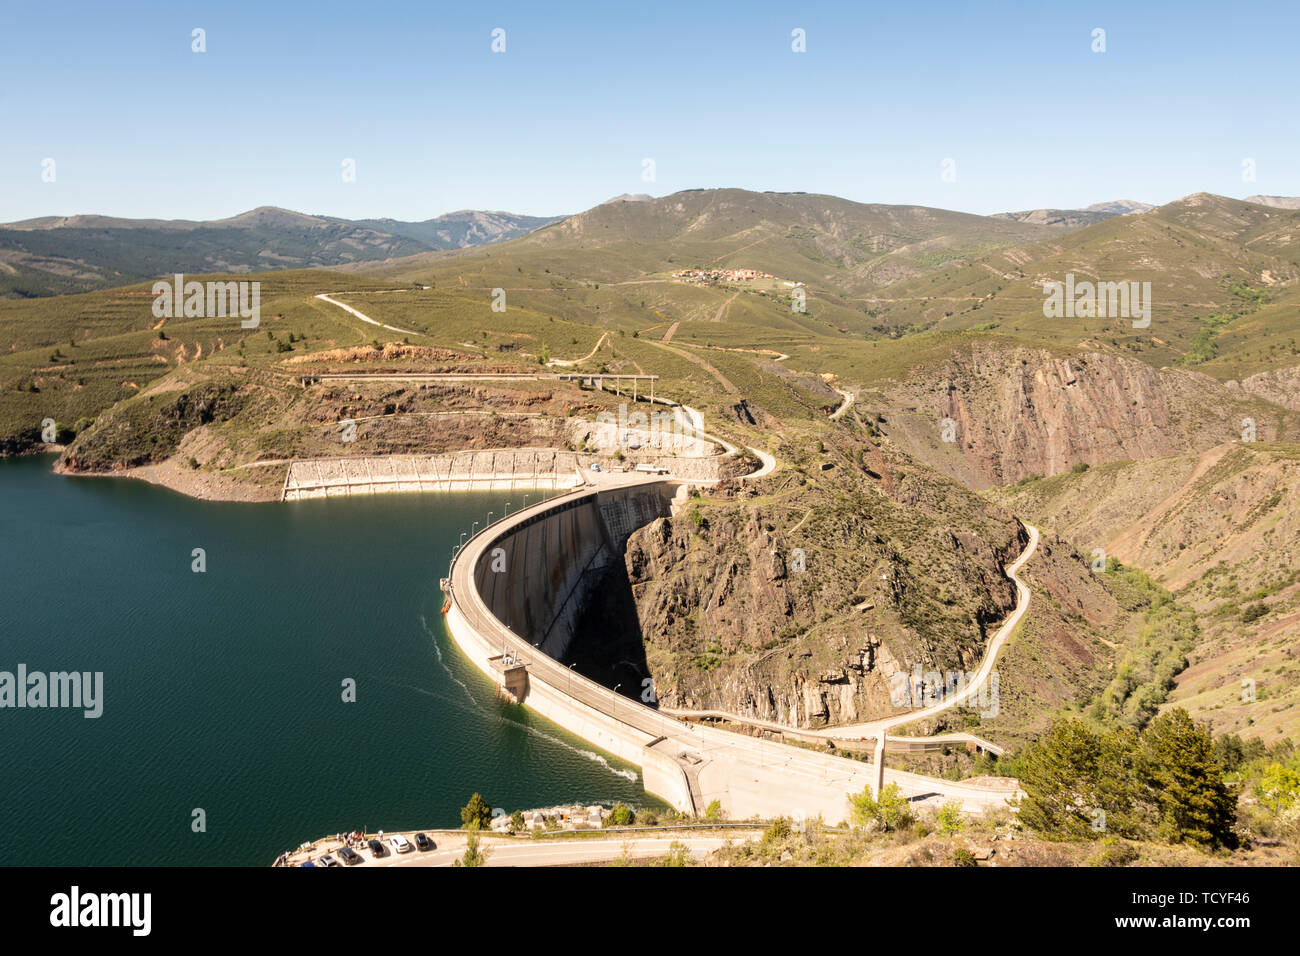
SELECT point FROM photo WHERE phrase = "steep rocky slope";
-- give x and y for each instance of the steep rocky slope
(1017, 412)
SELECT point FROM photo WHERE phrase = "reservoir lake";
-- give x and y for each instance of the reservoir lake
(223, 690)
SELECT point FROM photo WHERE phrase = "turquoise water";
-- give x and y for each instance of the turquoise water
(223, 690)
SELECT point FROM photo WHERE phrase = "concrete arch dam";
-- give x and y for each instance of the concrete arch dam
(539, 576)
(521, 594)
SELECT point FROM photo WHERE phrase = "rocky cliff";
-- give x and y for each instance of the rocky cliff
(993, 416)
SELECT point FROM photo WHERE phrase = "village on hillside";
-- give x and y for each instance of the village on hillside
(721, 275)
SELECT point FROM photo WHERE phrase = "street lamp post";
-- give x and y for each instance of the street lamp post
(571, 667)
(616, 687)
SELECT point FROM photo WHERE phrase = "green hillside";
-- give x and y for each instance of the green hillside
(1223, 277)
(827, 243)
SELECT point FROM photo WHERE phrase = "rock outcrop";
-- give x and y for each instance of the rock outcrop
(1011, 413)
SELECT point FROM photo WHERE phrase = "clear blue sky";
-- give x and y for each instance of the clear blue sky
(138, 125)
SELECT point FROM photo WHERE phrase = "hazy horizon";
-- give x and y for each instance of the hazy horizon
(320, 214)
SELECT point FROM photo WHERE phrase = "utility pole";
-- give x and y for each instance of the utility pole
(880, 762)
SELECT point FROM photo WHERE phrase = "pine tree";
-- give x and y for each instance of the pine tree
(476, 815)
(1184, 781)
(1059, 776)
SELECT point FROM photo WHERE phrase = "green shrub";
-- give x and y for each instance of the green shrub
(678, 855)
(1115, 852)
(475, 854)
(890, 811)
(620, 816)
(1164, 782)
(950, 820)
(777, 831)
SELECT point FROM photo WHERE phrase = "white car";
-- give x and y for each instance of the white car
(399, 843)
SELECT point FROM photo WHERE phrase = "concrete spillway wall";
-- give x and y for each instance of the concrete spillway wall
(507, 469)
(504, 470)
(538, 576)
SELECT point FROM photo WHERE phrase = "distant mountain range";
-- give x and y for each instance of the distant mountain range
(1076, 218)
(1277, 202)
(629, 197)
(53, 255)
(850, 247)
(879, 270)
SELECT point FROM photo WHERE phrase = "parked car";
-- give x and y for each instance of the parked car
(423, 843)
(376, 848)
(399, 843)
(595, 467)
(328, 860)
(349, 856)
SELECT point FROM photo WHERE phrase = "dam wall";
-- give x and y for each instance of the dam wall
(506, 469)
(548, 555)
(538, 575)
(661, 775)
(498, 470)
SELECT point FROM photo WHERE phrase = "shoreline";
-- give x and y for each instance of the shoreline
(202, 486)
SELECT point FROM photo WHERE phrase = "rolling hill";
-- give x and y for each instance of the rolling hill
(1223, 277)
(823, 241)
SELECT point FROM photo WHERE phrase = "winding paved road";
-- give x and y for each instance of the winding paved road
(876, 727)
